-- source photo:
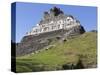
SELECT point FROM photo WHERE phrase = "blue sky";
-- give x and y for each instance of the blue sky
(29, 14)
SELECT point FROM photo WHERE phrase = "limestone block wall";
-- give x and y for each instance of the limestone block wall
(54, 25)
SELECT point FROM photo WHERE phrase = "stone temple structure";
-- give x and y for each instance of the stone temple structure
(54, 24)
(53, 20)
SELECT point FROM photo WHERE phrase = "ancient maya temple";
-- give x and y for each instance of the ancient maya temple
(53, 24)
(53, 20)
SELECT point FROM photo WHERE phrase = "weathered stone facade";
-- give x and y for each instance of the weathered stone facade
(54, 24)
(54, 20)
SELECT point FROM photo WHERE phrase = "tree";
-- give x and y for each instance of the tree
(79, 65)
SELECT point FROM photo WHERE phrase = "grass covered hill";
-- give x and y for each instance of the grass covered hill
(76, 53)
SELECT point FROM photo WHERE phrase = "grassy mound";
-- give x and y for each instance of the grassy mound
(63, 55)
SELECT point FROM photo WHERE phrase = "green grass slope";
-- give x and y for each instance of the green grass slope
(68, 52)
